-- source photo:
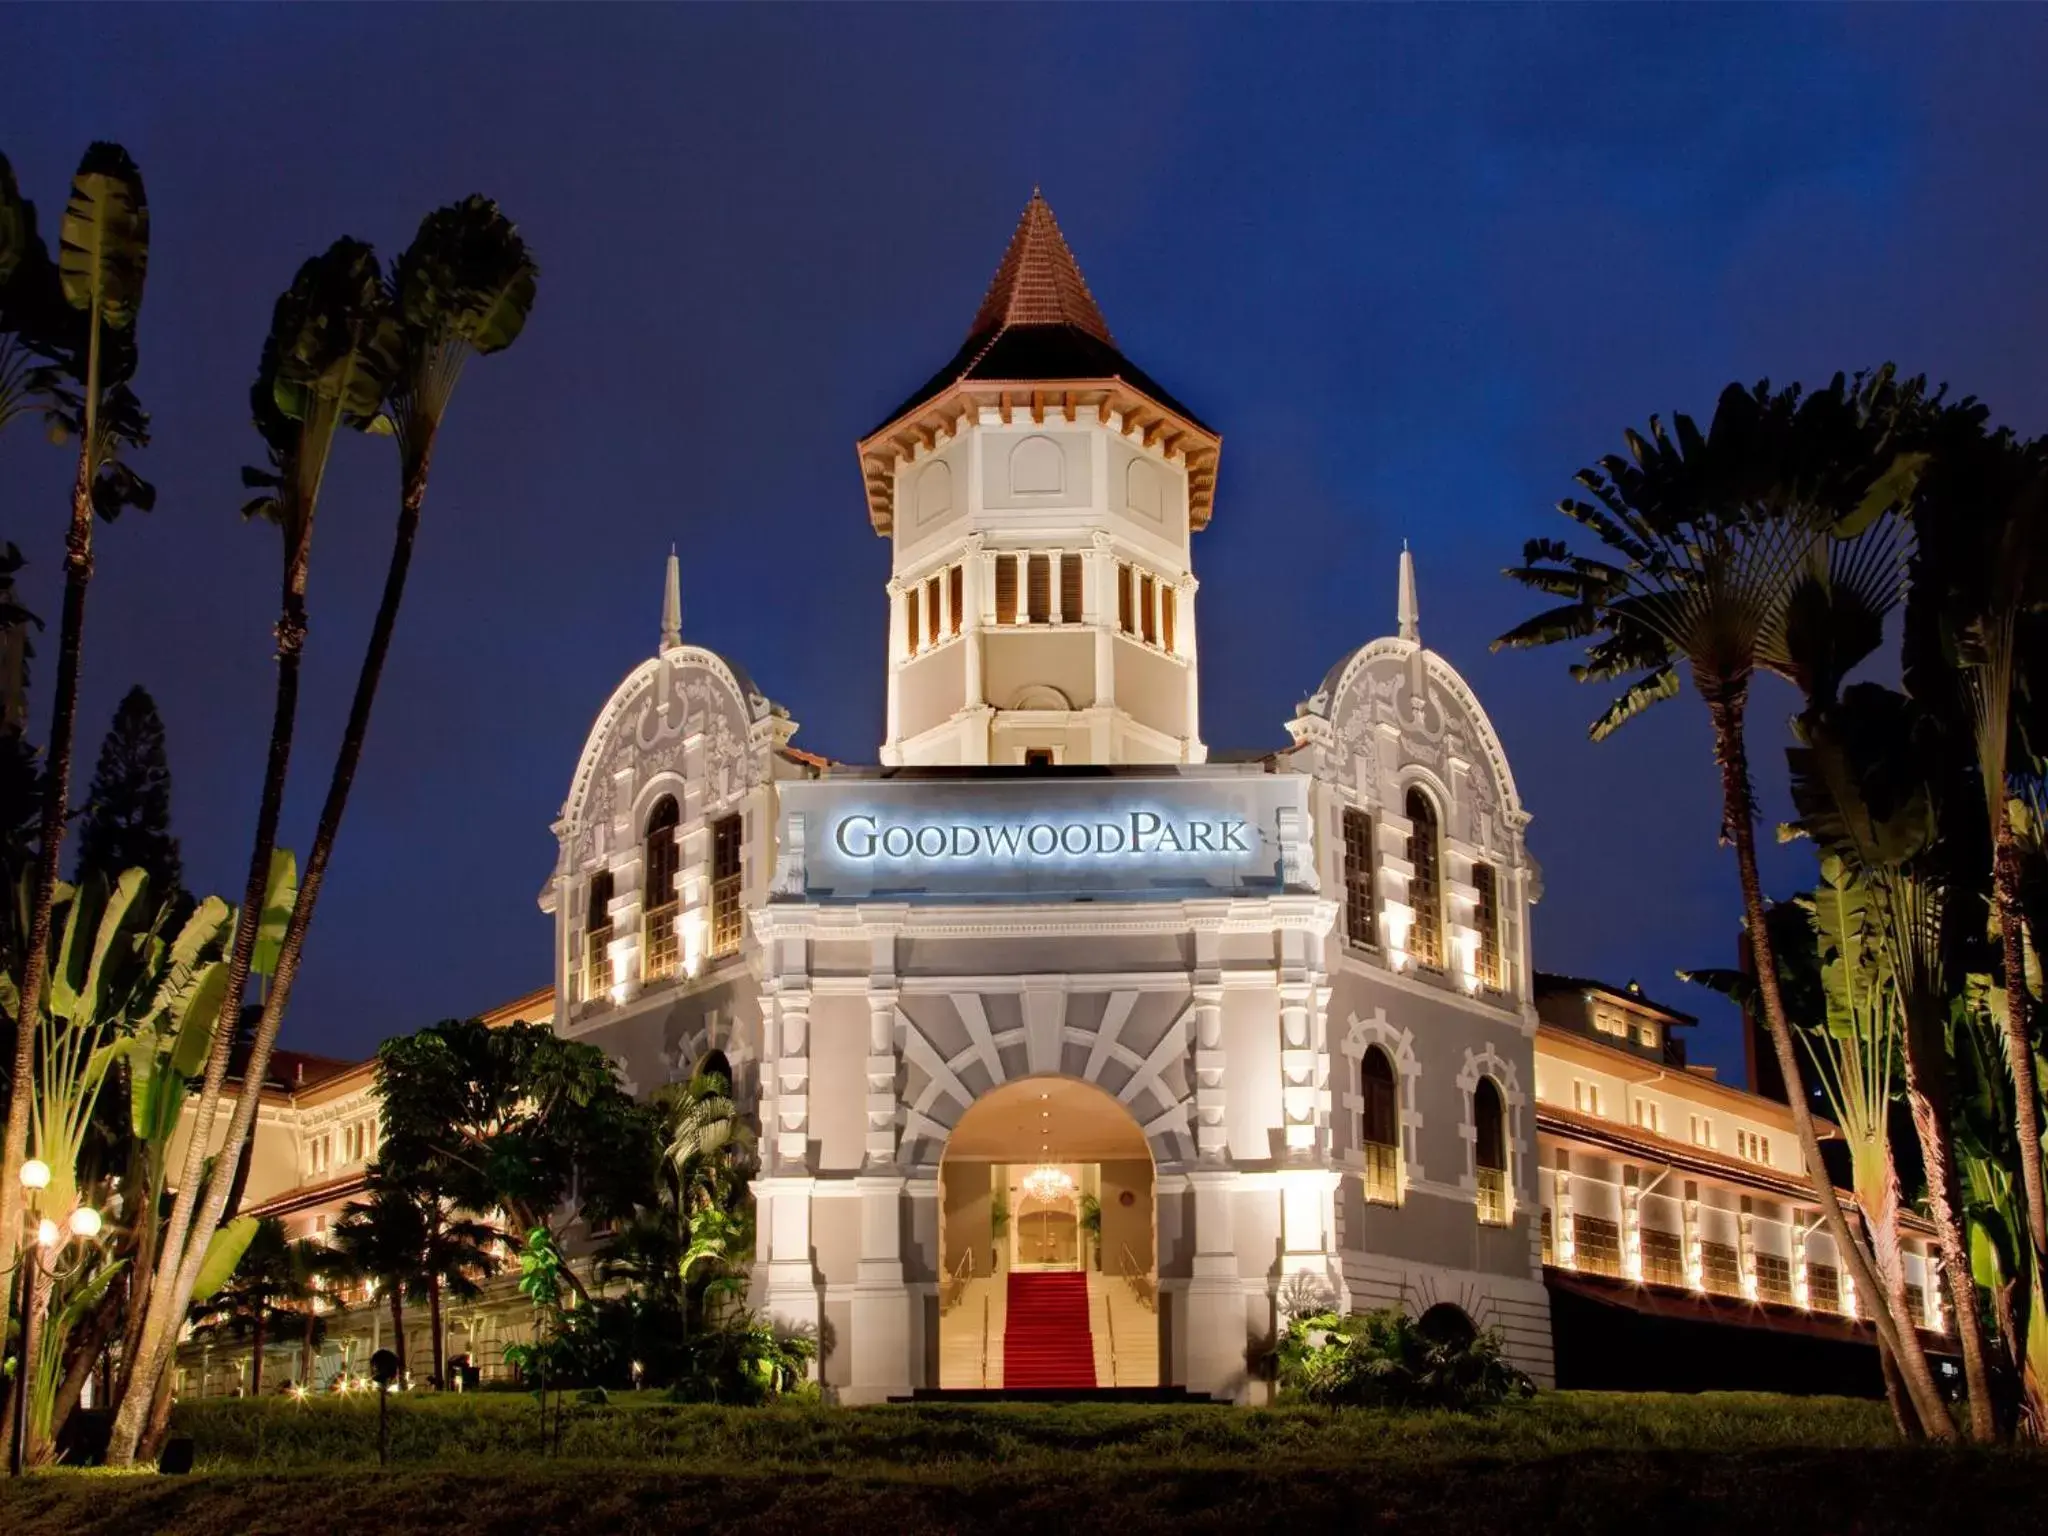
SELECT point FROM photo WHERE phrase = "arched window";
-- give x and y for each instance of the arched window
(1447, 1324)
(661, 945)
(1381, 1128)
(1425, 885)
(597, 937)
(1487, 967)
(715, 1067)
(1490, 1152)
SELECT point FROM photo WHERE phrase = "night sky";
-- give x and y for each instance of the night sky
(1417, 265)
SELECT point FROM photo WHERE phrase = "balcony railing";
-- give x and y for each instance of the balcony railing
(1382, 1173)
(660, 944)
(597, 964)
(1493, 1197)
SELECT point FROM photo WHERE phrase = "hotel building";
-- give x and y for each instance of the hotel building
(1080, 1052)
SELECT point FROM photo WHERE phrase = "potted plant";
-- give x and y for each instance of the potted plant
(998, 1228)
(1091, 1226)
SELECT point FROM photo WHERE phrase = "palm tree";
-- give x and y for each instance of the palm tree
(1980, 584)
(463, 288)
(454, 1260)
(1714, 549)
(323, 367)
(1863, 792)
(269, 1289)
(103, 257)
(379, 1241)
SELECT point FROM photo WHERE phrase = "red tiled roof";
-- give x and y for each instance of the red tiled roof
(1039, 282)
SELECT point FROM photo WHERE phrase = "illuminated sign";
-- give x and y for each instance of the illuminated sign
(1167, 833)
(1141, 833)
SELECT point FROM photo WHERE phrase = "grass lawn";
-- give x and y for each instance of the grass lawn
(1648, 1465)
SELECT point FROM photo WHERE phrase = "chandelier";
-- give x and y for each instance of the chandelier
(1047, 1184)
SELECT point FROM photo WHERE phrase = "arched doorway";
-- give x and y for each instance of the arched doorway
(1047, 1229)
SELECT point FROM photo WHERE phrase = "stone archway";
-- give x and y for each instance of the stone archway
(1048, 1175)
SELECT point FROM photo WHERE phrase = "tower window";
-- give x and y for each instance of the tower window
(1487, 917)
(1358, 892)
(1039, 595)
(597, 937)
(931, 607)
(1070, 588)
(659, 941)
(1126, 607)
(1425, 885)
(725, 887)
(956, 589)
(910, 630)
(1166, 616)
(1148, 615)
(1006, 589)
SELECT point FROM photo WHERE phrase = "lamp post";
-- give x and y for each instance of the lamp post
(41, 1263)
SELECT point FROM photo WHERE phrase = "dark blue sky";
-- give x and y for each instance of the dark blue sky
(1417, 265)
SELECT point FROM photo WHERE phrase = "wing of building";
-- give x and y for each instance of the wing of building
(1081, 1053)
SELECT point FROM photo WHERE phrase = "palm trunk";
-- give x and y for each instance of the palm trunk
(2019, 1032)
(397, 1292)
(1927, 1095)
(1903, 1416)
(434, 1313)
(1911, 1355)
(1738, 824)
(78, 565)
(256, 1358)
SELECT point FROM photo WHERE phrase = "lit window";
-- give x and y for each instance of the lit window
(910, 631)
(1611, 1021)
(1702, 1131)
(1650, 1116)
(1148, 617)
(725, 887)
(1126, 602)
(1585, 1097)
(1380, 1127)
(932, 615)
(1070, 588)
(1487, 917)
(956, 592)
(660, 945)
(597, 938)
(1166, 616)
(1358, 892)
(1425, 893)
(1490, 1153)
(1752, 1147)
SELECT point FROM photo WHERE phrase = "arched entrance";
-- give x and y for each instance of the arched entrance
(1047, 1228)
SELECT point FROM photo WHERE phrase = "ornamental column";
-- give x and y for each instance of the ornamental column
(1216, 1321)
(783, 1197)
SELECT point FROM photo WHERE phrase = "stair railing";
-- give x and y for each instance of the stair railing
(1109, 1326)
(1139, 1280)
(956, 1282)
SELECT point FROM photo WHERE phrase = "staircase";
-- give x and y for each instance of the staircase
(1126, 1333)
(1047, 1341)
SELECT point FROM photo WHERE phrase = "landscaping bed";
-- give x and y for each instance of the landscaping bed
(1567, 1461)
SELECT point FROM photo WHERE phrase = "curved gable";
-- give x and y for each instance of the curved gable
(686, 694)
(1435, 716)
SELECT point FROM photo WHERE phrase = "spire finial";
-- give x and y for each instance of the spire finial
(672, 603)
(1408, 614)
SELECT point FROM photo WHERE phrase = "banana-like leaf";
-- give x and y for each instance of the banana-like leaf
(1891, 489)
(279, 897)
(195, 1027)
(466, 276)
(334, 338)
(103, 251)
(123, 922)
(14, 223)
(223, 1253)
(147, 1081)
(67, 967)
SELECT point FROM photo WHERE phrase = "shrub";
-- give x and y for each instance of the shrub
(744, 1360)
(1386, 1359)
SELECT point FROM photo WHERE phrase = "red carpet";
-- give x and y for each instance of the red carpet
(1047, 1342)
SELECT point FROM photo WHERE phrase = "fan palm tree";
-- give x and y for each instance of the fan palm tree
(323, 367)
(463, 288)
(1980, 585)
(270, 1289)
(1715, 549)
(103, 257)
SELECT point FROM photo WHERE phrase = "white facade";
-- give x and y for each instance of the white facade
(1046, 877)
